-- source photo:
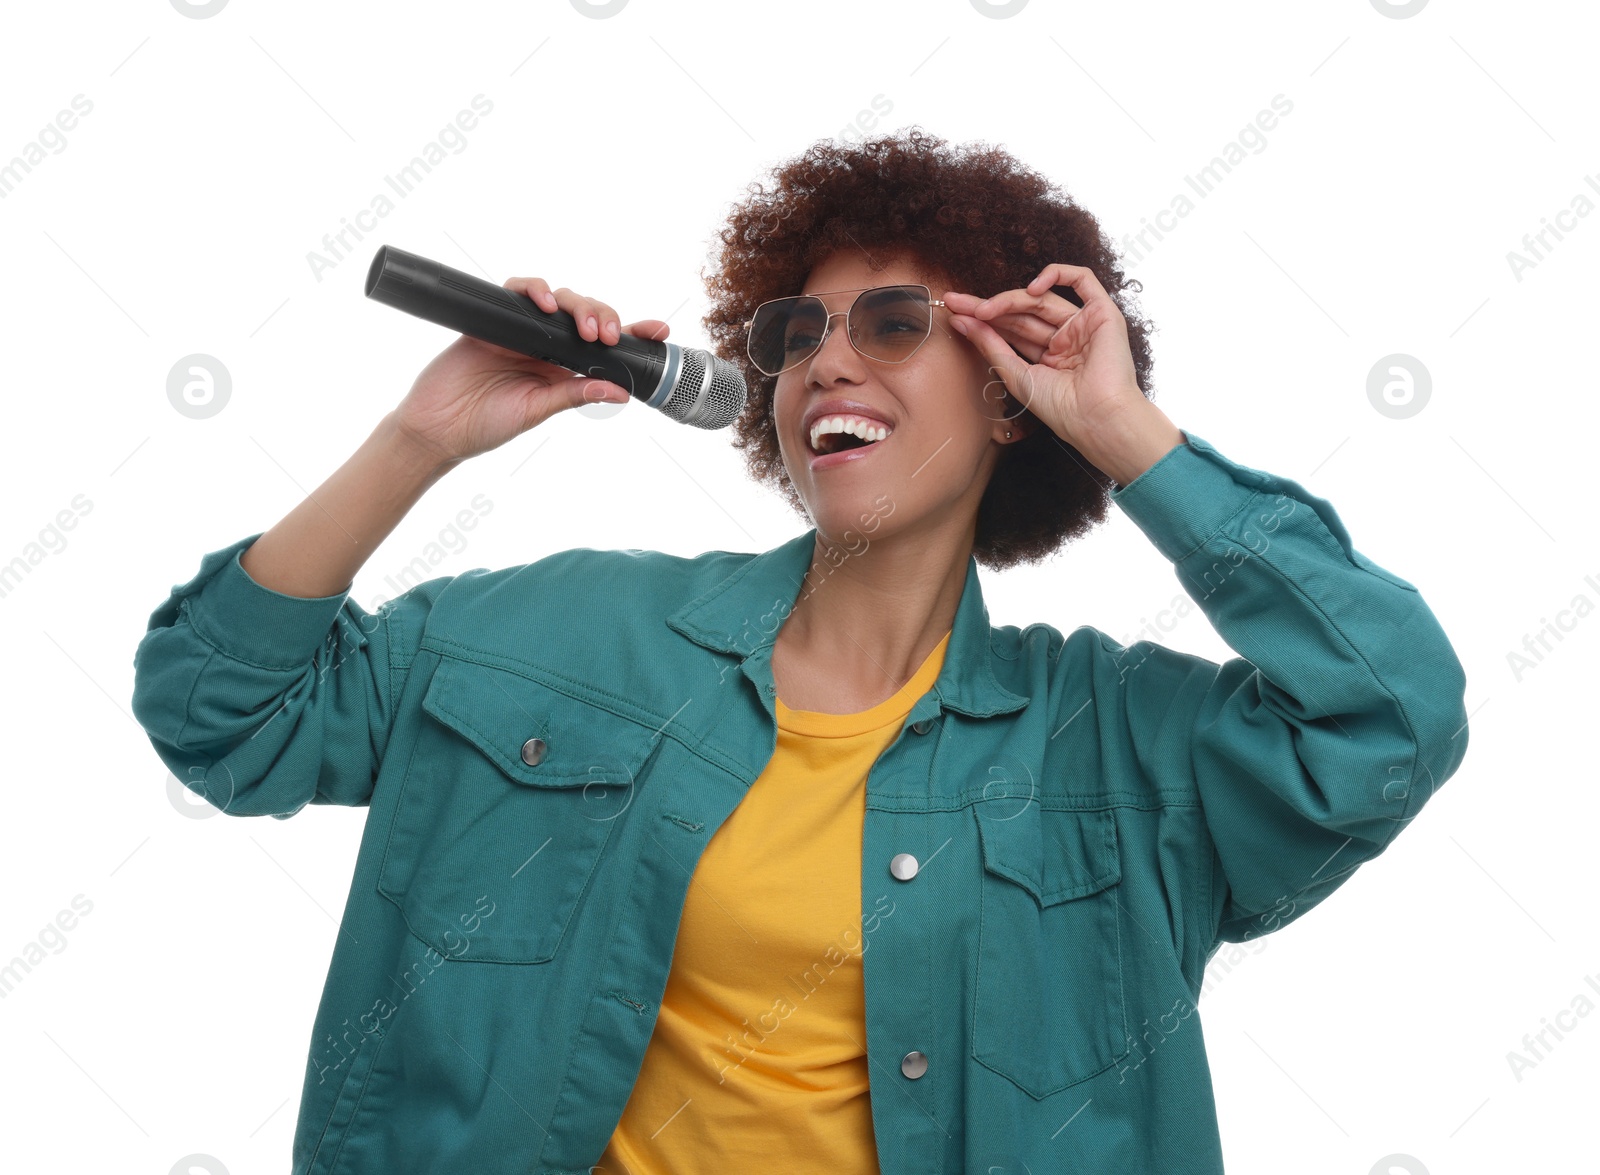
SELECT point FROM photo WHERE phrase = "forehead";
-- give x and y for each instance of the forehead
(852, 271)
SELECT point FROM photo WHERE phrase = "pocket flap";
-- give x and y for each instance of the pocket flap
(1054, 855)
(499, 711)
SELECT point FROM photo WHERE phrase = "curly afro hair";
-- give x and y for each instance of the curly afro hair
(974, 215)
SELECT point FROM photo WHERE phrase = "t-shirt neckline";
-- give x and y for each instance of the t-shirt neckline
(891, 709)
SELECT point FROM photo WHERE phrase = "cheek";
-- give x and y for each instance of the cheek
(787, 393)
(776, 411)
(961, 384)
(956, 359)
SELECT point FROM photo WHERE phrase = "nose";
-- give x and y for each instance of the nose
(828, 332)
(827, 329)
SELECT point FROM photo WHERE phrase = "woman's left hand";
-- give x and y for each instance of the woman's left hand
(1080, 374)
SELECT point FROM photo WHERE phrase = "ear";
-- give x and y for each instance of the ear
(1020, 425)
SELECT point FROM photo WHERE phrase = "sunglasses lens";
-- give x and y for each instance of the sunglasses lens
(891, 322)
(887, 323)
(785, 332)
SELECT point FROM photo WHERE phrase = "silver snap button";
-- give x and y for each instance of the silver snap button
(903, 866)
(923, 726)
(914, 1064)
(533, 751)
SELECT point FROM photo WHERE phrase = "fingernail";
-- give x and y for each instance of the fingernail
(590, 321)
(959, 325)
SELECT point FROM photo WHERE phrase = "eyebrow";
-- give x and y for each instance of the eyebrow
(880, 293)
(888, 295)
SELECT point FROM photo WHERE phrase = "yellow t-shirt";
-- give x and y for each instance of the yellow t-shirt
(758, 1059)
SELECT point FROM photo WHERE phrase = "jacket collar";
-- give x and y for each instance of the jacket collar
(743, 613)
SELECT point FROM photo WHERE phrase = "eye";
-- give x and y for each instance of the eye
(898, 325)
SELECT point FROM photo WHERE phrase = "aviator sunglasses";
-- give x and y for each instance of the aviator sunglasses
(886, 323)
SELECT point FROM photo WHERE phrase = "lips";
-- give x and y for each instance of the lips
(840, 406)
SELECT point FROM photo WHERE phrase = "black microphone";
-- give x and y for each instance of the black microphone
(689, 385)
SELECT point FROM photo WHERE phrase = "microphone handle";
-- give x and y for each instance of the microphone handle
(483, 310)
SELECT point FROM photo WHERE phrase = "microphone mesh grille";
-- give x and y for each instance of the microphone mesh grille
(709, 393)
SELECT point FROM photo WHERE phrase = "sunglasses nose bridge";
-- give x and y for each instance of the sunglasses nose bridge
(827, 331)
(827, 328)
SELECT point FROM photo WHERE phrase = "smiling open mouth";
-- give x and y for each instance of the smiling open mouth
(834, 442)
(836, 434)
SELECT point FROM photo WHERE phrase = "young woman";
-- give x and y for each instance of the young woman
(636, 819)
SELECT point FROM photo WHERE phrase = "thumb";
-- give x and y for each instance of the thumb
(586, 389)
(544, 401)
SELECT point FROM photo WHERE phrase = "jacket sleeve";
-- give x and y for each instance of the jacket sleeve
(263, 702)
(1342, 715)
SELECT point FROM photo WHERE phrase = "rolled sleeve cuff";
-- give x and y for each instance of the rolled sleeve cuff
(251, 623)
(1189, 494)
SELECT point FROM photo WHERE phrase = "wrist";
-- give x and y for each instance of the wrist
(412, 455)
(1132, 441)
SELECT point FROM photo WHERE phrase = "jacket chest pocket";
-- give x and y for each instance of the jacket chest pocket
(511, 794)
(1050, 1004)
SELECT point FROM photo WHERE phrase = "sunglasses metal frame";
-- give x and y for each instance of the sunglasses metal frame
(828, 324)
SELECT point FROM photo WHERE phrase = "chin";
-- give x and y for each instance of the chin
(853, 517)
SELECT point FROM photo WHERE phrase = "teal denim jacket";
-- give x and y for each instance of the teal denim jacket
(547, 749)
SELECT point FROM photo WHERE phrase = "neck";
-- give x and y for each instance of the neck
(871, 618)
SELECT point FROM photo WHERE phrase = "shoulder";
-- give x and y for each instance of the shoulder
(1046, 644)
(1068, 667)
(580, 570)
(568, 603)
(579, 573)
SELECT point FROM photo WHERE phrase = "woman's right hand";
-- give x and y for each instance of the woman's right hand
(475, 396)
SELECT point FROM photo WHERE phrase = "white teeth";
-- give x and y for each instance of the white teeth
(854, 425)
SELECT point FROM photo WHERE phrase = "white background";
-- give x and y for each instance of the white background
(179, 216)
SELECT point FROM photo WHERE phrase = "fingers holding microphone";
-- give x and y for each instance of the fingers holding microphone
(475, 396)
(596, 320)
(567, 331)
